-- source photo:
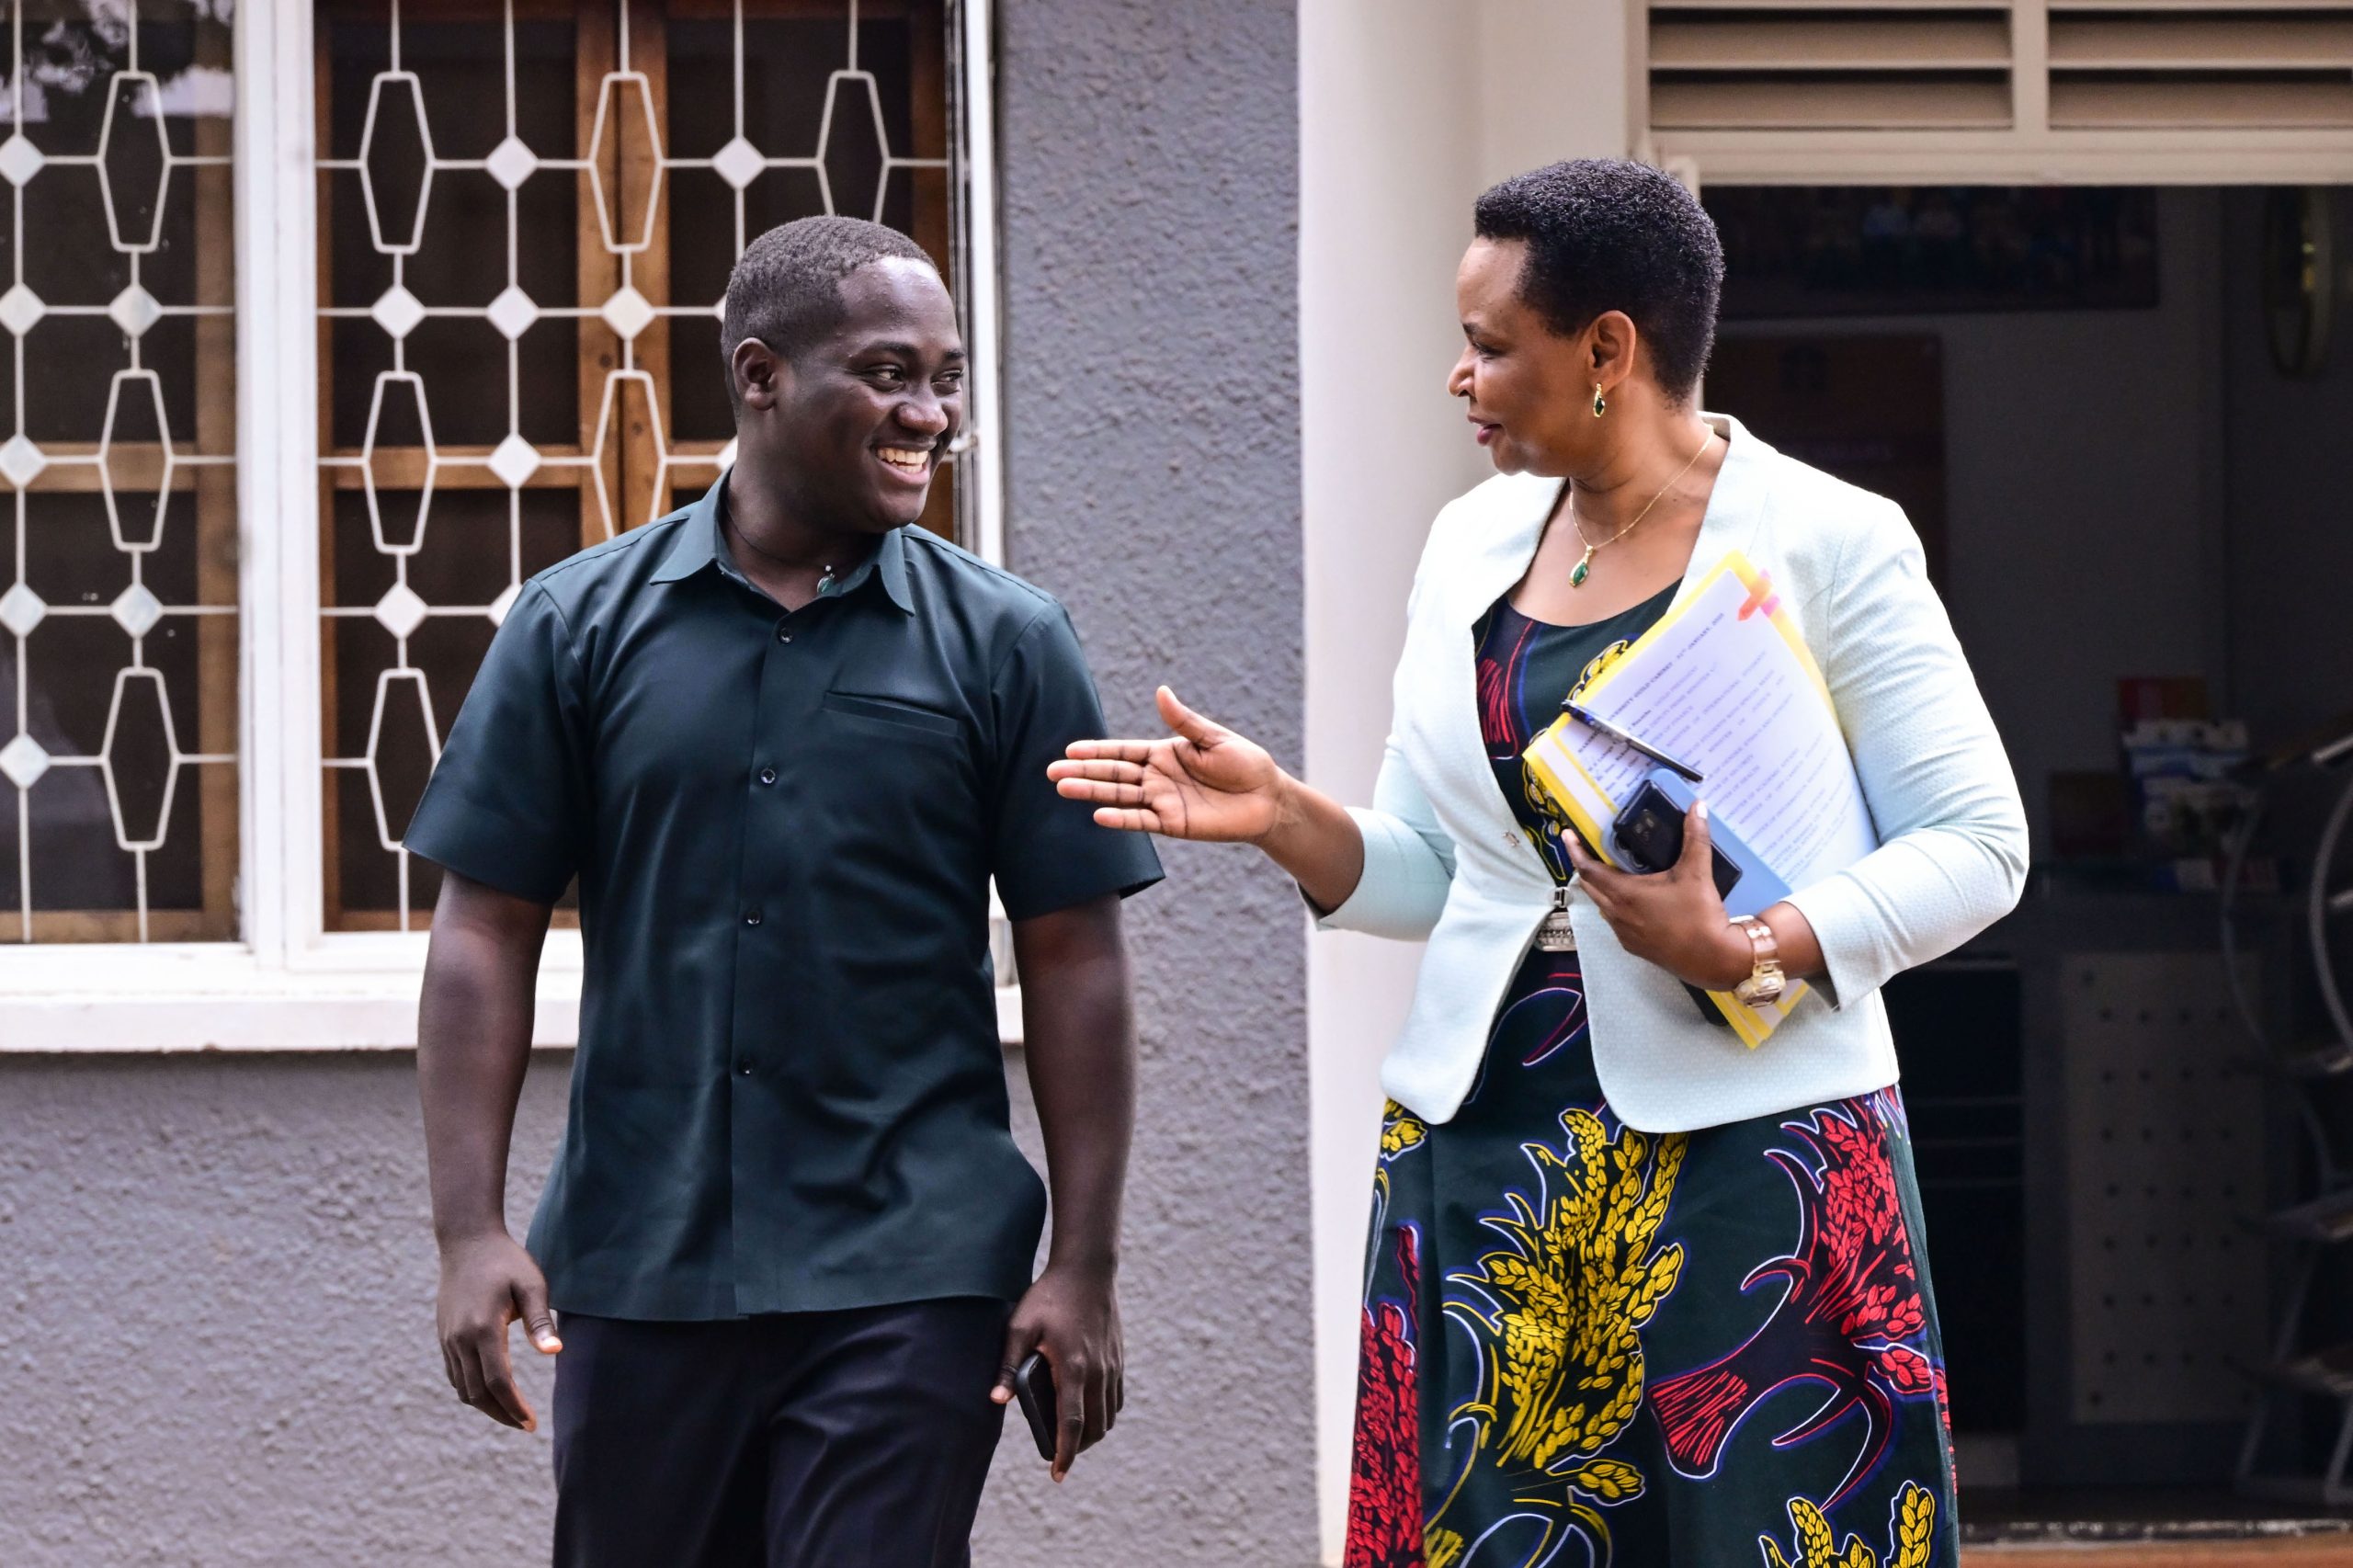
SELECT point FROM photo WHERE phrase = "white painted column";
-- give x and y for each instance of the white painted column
(1408, 108)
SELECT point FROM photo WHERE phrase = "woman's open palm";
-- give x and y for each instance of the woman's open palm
(1204, 781)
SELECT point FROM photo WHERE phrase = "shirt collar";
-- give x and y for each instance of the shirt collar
(889, 562)
(696, 544)
(699, 543)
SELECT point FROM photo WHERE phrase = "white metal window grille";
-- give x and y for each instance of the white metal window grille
(1997, 90)
(245, 949)
(118, 743)
(526, 221)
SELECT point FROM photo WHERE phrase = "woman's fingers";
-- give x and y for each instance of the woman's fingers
(1182, 722)
(1601, 881)
(1185, 722)
(1587, 863)
(1108, 751)
(1098, 783)
(1696, 859)
(1096, 794)
(1100, 772)
(1128, 819)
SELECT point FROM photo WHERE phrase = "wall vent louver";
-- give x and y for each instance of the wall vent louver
(2024, 89)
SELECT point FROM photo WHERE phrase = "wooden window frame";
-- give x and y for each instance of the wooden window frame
(288, 983)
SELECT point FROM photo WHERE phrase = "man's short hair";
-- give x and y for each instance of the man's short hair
(1611, 234)
(786, 290)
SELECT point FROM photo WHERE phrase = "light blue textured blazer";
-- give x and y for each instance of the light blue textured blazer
(1444, 859)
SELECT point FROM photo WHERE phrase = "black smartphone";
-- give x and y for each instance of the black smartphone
(1650, 832)
(1033, 1385)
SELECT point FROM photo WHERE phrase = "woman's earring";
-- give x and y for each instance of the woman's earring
(1600, 404)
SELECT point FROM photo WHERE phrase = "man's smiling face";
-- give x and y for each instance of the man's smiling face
(866, 413)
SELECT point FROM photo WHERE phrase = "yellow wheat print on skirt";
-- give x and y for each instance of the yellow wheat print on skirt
(1911, 1530)
(1563, 1305)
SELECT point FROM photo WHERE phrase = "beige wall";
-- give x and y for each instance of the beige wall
(1407, 109)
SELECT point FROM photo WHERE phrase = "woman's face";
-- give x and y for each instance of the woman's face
(1529, 391)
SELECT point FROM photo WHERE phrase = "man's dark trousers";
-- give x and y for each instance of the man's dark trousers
(853, 1440)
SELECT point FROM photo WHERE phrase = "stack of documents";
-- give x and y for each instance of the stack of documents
(1725, 683)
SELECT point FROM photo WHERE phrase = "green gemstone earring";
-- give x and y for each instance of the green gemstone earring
(1600, 404)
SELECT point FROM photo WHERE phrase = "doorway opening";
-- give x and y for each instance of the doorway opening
(2115, 416)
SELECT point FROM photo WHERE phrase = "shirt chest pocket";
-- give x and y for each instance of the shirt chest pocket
(885, 750)
(891, 718)
(893, 783)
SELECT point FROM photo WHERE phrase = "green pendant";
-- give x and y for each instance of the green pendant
(1576, 572)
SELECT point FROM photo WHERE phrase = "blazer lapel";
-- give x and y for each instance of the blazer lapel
(1498, 558)
(1736, 507)
(1503, 557)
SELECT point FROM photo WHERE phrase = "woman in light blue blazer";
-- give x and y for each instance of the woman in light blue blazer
(1637, 1293)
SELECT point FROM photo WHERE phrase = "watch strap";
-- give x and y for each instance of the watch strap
(1766, 980)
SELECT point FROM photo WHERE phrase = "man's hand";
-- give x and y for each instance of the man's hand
(473, 1043)
(1070, 1316)
(1203, 782)
(1675, 918)
(486, 1284)
(1080, 1039)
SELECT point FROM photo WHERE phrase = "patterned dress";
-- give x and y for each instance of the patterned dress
(1588, 1345)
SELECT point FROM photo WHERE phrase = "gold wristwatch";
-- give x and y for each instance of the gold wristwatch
(1766, 980)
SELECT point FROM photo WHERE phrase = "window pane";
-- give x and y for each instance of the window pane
(119, 693)
(527, 216)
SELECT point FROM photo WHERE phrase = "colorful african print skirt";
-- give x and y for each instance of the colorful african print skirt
(1588, 1345)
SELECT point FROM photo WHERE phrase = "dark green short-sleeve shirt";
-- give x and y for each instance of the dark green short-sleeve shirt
(789, 1094)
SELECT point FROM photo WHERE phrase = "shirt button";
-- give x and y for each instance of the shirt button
(751, 917)
(767, 775)
(743, 1065)
(782, 635)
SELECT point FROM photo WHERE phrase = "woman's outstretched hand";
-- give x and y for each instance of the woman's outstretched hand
(1203, 782)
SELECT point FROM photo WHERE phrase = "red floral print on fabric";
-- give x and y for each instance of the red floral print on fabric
(1854, 1295)
(1497, 717)
(1386, 1478)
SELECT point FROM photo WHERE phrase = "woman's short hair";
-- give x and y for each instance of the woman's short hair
(1609, 235)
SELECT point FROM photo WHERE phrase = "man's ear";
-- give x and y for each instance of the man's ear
(762, 376)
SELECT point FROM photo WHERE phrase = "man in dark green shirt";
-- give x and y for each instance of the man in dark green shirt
(784, 742)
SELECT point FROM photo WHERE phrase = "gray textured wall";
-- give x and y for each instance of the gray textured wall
(216, 1275)
(1150, 200)
(216, 1321)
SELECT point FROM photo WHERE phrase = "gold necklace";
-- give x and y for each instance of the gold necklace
(1585, 565)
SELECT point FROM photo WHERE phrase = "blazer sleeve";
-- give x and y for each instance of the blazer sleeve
(1953, 854)
(1408, 860)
